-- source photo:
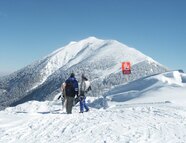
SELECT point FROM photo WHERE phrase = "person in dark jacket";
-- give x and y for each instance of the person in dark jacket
(71, 90)
(84, 87)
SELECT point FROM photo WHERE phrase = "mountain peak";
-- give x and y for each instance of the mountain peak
(94, 49)
(95, 40)
(92, 38)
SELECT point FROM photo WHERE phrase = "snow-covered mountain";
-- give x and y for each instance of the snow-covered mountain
(99, 59)
(156, 113)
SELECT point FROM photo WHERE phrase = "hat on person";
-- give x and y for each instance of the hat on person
(72, 75)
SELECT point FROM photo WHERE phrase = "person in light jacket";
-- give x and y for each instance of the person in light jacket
(84, 88)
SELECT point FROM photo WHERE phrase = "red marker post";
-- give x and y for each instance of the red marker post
(126, 67)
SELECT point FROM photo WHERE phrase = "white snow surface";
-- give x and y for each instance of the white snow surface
(166, 87)
(149, 110)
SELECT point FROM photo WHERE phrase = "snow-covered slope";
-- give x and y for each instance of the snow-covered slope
(166, 87)
(99, 59)
(156, 113)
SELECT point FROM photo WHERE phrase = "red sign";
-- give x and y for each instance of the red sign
(126, 68)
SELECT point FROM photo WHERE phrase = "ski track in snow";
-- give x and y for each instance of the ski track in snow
(120, 123)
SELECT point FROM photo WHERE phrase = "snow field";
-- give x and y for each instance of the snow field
(149, 110)
(134, 123)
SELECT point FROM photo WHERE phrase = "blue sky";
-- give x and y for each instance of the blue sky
(31, 29)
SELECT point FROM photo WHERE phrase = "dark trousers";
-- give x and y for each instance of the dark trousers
(69, 104)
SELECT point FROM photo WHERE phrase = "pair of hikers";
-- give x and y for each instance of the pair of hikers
(70, 90)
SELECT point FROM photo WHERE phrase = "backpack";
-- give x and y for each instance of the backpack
(69, 89)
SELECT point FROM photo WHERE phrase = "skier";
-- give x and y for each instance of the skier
(84, 88)
(71, 90)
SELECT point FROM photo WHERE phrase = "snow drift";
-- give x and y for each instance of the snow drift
(166, 87)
